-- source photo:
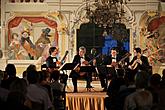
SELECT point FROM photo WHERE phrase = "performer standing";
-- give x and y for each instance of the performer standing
(109, 62)
(80, 59)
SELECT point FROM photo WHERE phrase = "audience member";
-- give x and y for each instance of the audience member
(15, 101)
(141, 99)
(161, 103)
(45, 81)
(36, 93)
(11, 72)
(154, 87)
(116, 85)
(3, 92)
(55, 81)
(58, 90)
(124, 92)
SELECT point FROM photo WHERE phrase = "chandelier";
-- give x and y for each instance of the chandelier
(105, 13)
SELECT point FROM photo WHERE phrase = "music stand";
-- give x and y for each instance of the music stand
(89, 69)
(106, 73)
(67, 66)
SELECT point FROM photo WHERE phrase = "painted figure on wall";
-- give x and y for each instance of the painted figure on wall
(23, 46)
(16, 51)
(14, 46)
(43, 44)
(27, 44)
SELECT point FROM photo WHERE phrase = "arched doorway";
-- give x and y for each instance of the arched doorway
(91, 36)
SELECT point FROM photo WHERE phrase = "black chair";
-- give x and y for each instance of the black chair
(59, 99)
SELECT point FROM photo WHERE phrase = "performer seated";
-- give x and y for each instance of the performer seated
(109, 61)
(52, 64)
(80, 59)
(52, 60)
(139, 62)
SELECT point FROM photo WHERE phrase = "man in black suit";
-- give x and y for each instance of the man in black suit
(110, 63)
(51, 61)
(138, 63)
(81, 59)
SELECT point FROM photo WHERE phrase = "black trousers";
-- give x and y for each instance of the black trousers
(75, 75)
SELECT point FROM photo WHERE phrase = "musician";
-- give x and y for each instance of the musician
(139, 62)
(110, 62)
(51, 61)
(80, 59)
(53, 64)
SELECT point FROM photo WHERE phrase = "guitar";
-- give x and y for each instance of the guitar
(135, 63)
(63, 59)
(58, 63)
(87, 63)
(115, 64)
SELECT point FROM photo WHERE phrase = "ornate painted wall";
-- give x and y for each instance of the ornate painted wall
(68, 15)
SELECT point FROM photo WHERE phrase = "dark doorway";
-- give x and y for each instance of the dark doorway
(91, 36)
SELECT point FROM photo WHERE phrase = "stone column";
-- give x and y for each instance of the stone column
(4, 40)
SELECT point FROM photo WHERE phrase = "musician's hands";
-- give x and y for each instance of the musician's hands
(139, 61)
(85, 62)
(58, 63)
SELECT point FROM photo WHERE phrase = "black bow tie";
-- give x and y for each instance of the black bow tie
(113, 58)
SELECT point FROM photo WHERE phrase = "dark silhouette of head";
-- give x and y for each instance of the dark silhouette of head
(10, 70)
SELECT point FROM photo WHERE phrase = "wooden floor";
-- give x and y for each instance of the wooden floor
(82, 86)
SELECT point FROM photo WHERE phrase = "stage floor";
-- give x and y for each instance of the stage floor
(82, 86)
(83, 99)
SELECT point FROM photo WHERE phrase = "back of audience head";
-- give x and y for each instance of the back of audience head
(155, 80)
(130, 80)
(31, 67)
(10, 70)
(141, 79)
(33, 76)
(55, 75)
(44, 75)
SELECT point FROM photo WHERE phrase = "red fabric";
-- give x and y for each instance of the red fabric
(17, 20)
(155, 23)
